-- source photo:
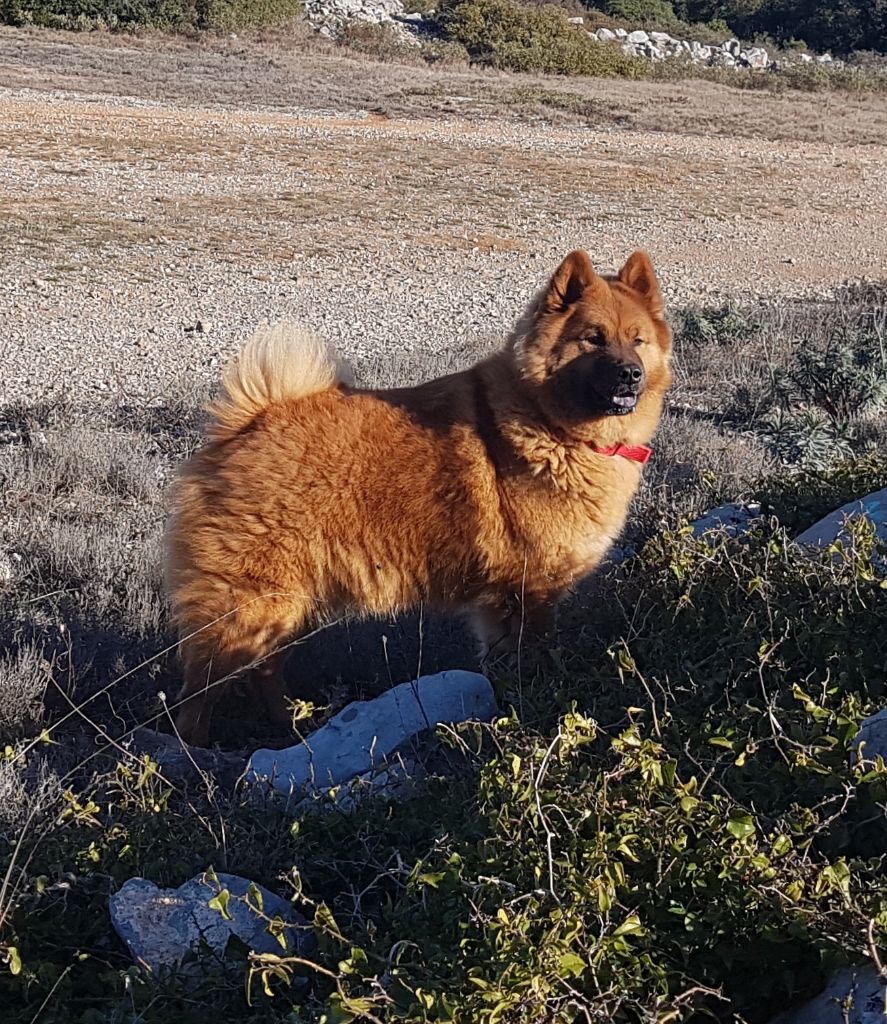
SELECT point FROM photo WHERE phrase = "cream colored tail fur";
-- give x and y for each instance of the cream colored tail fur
(278, 362)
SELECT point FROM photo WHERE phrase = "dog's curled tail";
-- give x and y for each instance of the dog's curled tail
(278, 362)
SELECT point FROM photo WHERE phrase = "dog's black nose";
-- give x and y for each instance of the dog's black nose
(630, 374)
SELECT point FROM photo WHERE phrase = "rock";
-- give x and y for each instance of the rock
(873, 506)
(576, 21)
(757, 57)
(825, 58)
(661, 38)
(398, 781)
(161, 926)
(620, 33)
(330, 16)
(722, 59)
(804, 58)
(363, 734)
(636, 37)
(866, 989)
(606, 35)
(178, 761)
(733, 47)
(872, 737)
(733, 519)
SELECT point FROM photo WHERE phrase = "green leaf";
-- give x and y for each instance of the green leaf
(740, 825)
(781, 846)
(220, 902)
(630, 926)
(571, 966)
(255, 894)
(720, 741)
(15, 960)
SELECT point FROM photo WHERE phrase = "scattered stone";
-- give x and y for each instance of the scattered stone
(162, 926)
(832, 527)
(331, 16)
(729, 54)
(576, 21)
(362, 735)
(863, 987)
(733, 519)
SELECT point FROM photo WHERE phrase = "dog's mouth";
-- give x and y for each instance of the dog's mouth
(621, 405)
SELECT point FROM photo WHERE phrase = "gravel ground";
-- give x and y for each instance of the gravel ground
(142, 241)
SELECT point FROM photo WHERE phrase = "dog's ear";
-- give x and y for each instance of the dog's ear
(569, 281)
(639, 275)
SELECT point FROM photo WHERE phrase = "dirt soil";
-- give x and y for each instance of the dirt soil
(161, 197)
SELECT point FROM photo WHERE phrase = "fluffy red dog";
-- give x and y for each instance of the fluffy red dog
(487, 492)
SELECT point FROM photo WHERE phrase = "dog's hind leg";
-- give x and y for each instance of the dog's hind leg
(248, 639)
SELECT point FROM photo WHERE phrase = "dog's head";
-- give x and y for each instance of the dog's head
(595, 348)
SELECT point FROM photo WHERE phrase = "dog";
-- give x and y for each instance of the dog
(488, 492)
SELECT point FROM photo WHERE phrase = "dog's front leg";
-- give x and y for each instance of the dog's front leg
(501, 629)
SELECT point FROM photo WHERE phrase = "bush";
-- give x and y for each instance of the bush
(822, 24)
(505, 34)
(823, 396)
(643, 12)
(166, 15)
(665, 825)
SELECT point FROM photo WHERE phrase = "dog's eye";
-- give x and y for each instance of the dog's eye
(638, 342)
(596, 339)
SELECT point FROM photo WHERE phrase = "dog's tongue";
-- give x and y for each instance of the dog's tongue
(625, 401)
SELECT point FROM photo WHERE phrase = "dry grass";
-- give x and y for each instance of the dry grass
(298, 69)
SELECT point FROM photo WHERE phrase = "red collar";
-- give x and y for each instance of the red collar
(637, 453)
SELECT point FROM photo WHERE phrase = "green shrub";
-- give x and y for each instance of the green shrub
(724, 325)
(665, 825)
(643, 12)
(822, 24)
(823, 397)
(166, 15)
(505, 34)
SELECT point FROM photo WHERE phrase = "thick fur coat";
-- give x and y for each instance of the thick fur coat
(480, 493)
